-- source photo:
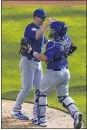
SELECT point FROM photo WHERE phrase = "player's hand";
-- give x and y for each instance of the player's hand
(50, 20)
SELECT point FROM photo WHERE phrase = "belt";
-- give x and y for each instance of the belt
(58, 69)
(33, 59)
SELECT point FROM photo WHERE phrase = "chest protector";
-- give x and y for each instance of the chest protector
(62, 49)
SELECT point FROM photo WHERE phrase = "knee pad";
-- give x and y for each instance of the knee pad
(66, 101)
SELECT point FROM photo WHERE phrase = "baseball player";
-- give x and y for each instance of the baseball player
(31, 69)
(57, 75)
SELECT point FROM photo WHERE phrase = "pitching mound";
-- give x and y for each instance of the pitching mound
(56, 118)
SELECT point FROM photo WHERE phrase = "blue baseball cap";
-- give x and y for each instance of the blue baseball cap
(39, 13)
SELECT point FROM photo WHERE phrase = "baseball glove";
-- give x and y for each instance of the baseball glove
(25, 47)
(72, 49)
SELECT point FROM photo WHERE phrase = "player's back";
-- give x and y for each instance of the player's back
(57, 52)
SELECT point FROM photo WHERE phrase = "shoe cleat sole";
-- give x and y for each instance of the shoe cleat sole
(79, 124)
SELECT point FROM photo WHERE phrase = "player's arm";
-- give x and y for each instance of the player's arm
(35, 34)
(26, 48)
(40, 56)
(40, 32)
(48, 55)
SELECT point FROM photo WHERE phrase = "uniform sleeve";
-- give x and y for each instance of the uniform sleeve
(30, 32)
(50, 50)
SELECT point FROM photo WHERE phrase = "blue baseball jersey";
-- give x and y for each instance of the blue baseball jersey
(30, 33)
(57, 52)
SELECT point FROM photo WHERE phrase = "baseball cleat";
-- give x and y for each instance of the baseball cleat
(43, 124)
(20, 115)
(35, 121)
(78, 121)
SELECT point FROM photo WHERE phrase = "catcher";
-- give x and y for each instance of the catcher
(57, 75)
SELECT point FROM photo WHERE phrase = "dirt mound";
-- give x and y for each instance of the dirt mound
(56, 118)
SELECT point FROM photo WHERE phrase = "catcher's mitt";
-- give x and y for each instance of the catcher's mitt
(72, 49)
(25, 47)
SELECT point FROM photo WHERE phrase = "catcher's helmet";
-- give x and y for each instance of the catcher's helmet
(58, 29)
(39, 13)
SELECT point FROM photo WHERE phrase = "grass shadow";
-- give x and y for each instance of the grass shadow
(66, 12)
(13, 94)
(16, 17)
(79, 88)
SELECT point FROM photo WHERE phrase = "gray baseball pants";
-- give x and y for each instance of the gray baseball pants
(59, 81)
(31, 74)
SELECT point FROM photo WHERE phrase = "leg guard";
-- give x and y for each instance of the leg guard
(35, 107)
(42, 106)
(68, 103)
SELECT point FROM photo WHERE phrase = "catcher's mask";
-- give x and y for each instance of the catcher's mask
(57, 29)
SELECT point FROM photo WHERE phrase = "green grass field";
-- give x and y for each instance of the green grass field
(14, 21)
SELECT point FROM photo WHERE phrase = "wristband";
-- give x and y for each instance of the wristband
(35, 53)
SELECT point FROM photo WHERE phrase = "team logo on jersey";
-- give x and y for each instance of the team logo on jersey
(61, 48)
(34, 29)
